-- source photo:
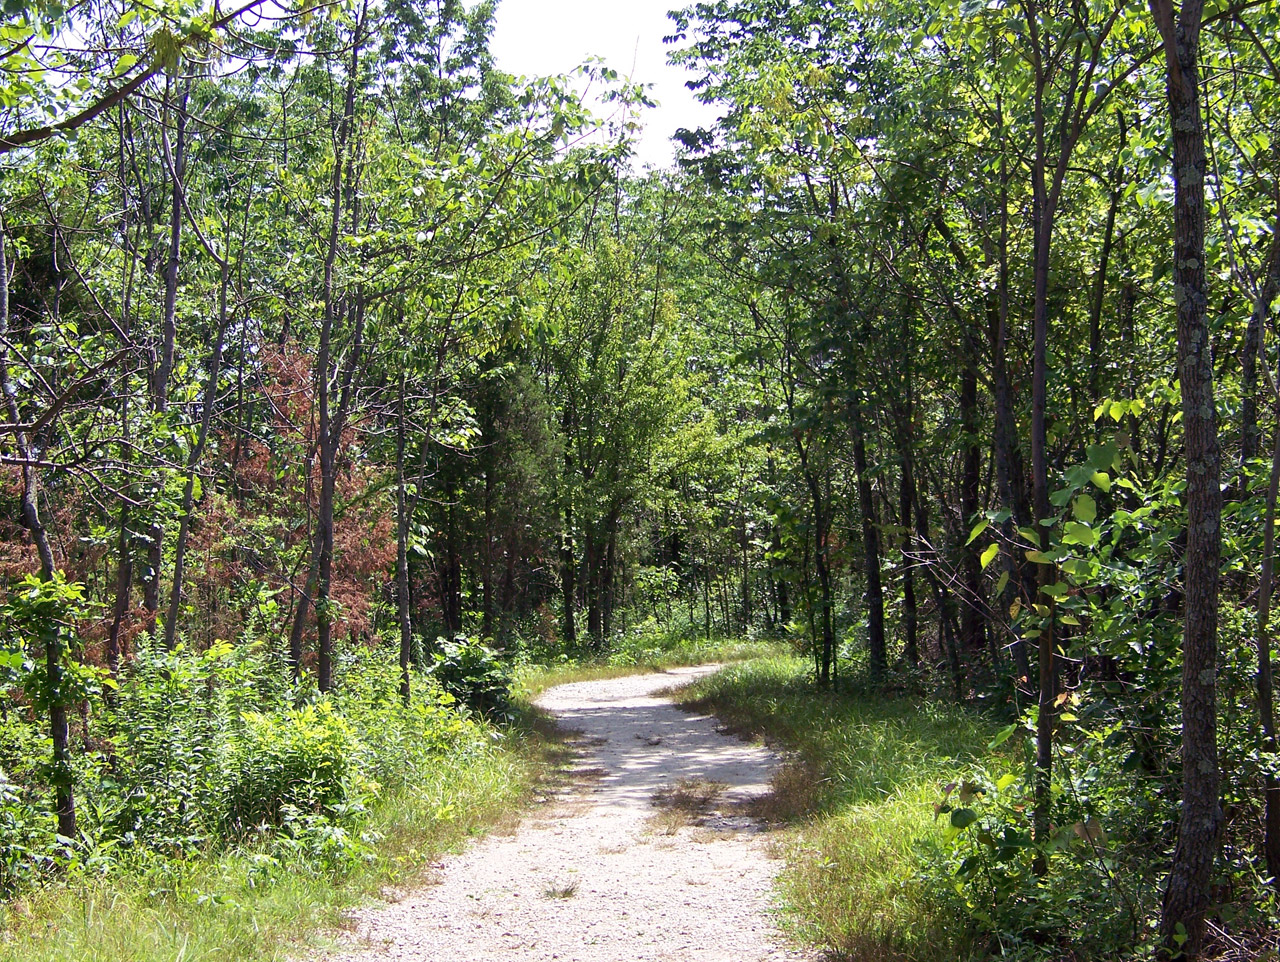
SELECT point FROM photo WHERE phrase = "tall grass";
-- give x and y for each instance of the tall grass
(858, 792)
(239, 906)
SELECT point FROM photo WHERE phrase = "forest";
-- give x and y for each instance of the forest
(345, 375)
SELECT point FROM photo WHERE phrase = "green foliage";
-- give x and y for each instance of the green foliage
(474, 675)
(859, 793)
(273, 898)
(291, 763)
(980, 864)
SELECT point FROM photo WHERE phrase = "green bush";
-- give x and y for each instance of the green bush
(474, 675)
(165, 781)
(292, 761)
(398, 743)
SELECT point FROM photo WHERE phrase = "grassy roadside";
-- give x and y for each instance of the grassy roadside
(245, 906)
(240, 907)
(858, 795)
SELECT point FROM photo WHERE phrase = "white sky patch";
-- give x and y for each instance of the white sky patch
(543, 37)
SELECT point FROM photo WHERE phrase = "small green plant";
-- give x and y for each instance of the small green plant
(474, 675)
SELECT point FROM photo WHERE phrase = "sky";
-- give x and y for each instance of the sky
(541, 37)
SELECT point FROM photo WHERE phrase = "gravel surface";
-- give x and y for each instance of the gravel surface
(649, 857)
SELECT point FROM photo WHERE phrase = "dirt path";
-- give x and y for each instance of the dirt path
(652, 859)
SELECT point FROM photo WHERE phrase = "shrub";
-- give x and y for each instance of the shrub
(399, 743)
(292, 762)
(474, 675)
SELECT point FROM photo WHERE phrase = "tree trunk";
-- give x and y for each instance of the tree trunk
(870, 548)
(403, 526)
(568, 590)
(1251, 352)
(331, 419)
(973, 602)
(193, 460)
(821, 539)
(1266, 692)
(168, 338)
(486, 563)
(910, 615)
(1187, 894)
(1098, 297)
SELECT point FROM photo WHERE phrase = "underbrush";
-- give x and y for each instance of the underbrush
(910, 833)
(264, 901)
(226, 814)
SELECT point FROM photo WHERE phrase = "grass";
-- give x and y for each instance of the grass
(858, 793)
(230, 907)
(566, 891)
(683, 805)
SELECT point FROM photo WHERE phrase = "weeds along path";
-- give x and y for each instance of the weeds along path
(651, 855)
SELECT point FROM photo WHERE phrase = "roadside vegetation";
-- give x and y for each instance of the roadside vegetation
(904, 832)
(237, 819)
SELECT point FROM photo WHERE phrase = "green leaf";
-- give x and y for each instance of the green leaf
(1102, 456)
(1002, 582)
(962, 818)
(978, 528)
(1003, 736)
(1076, 533)
(1061, 496)
(1077, 567)
(1005, 781)
(1085, 509)
(1101, 479)
(989, 554)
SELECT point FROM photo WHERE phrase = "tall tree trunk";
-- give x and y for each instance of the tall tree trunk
(607, 575)
(1044, 209)
(973, 602)
(1187, 894)
(486, 562)
(594, 562)
(910, 615)
(821, 539)
(197, 452)
(1098, 297)
(870, 548)
(1266, 691)
(1251, 352)
(403, 526)
(330, 421)
(168, 339)
(568, 589)
(124, 537)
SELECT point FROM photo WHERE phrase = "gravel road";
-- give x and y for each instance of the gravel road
(649, 856)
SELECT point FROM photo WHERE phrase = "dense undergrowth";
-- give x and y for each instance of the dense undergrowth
(236, 815)
(910, 829)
